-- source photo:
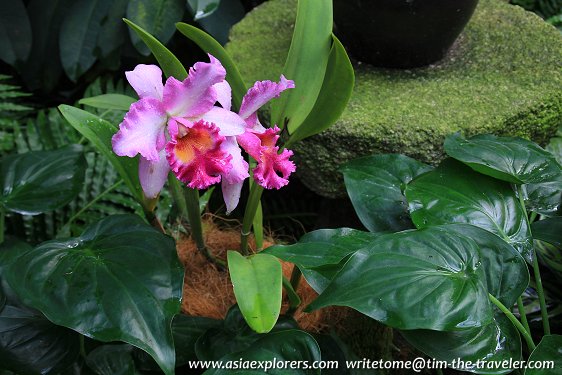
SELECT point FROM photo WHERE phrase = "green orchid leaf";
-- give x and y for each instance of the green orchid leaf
(376, 184)
(306, 63)
(157, 17)
(169, 63)
(289, 345)
(510, 159)
(453, 193)
(203, 8)
(548, 230)
(109, 101)
(333, 97)
(79, 34)
(208, 44)
(491, 345)
(120, 280)
(112, 360)
(257, 282)
(424, 279)
(99, 132)
(41, 181)
(548, 353)
(15, 32)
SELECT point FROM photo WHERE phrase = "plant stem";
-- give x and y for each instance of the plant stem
(439, 371)
(523, 314)
(526, 335)
(82, 347)
(251, 208)
(2, 221)
(536, 270)
(295, 277)
(179, 199)
(294, 299)
(196, 225)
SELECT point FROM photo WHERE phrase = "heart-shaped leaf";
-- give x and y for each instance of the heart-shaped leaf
(121, 280)
(41, 181)
(544, 198)
(425, 279)
(453, 193)
(257, 282)
(289, 345)
(548, 355)
(548, 230)
(491, 344)
(109, 101)
(112, 360)
(510, 159)
(376, 184)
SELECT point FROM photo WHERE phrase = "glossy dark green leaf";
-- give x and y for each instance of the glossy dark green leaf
(109, 101)
(507, 275)
(79, 34)
(99, 133)
(15, 32)
(157, 17)
(203, 8)
(29, 343)
(333, 97)
(453, 193)
(548, 354)
(169, 63)
(121, 280)
(424, 279)
(208, 44)
(234, 335)
(257, 282)
(555, 147)
(289, 345)
(112, 360)
(113, 32)
(41, 181)
(375, 185)
(548, 230)
(510, 159)
(496, 342)
(306, 63)
(544, 198)
(219, 23)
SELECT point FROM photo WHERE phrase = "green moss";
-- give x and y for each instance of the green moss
(503, 76)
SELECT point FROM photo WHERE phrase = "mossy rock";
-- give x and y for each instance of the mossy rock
(503, 76)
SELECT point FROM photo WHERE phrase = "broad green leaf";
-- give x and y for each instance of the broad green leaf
(423, 279)
(376, 186)
(120, 280)
(109, 101)
(113, 32)
(257, 282)
(544, 198)
(112, 360)
(157, 17)
(79, 34)
(15, 32)
(548, 354)
(333, 97)
(491, 344)
(500, 261)
(548, 230)
(453, 193)
(169, 63)
(289, 345)
(41, 181)
(555, 147)
(203, 8)
(234, 335)
(306, 63)
(208, 44)
(510, 159)
(219, 23)
(99, 132)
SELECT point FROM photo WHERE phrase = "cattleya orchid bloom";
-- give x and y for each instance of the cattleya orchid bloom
(178, 126)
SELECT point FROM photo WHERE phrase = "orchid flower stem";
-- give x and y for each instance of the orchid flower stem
(294, 299)
(523, 314)
(251, 208)
(196, 225)
(295, 277)
(2, 222)
(536, 270)
(177, 196)
(526, 334)
(82, 347)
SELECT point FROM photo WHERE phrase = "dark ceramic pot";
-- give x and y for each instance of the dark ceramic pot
(400, 33)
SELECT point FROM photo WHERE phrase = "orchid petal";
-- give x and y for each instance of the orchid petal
(260, 94)
(142, 130)
(153, 174)
(224, 94)
(147, 81)
(196, 94)
(251, 144)
(231, 194)
(228, 122)
(239, 170)
(271, 165)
